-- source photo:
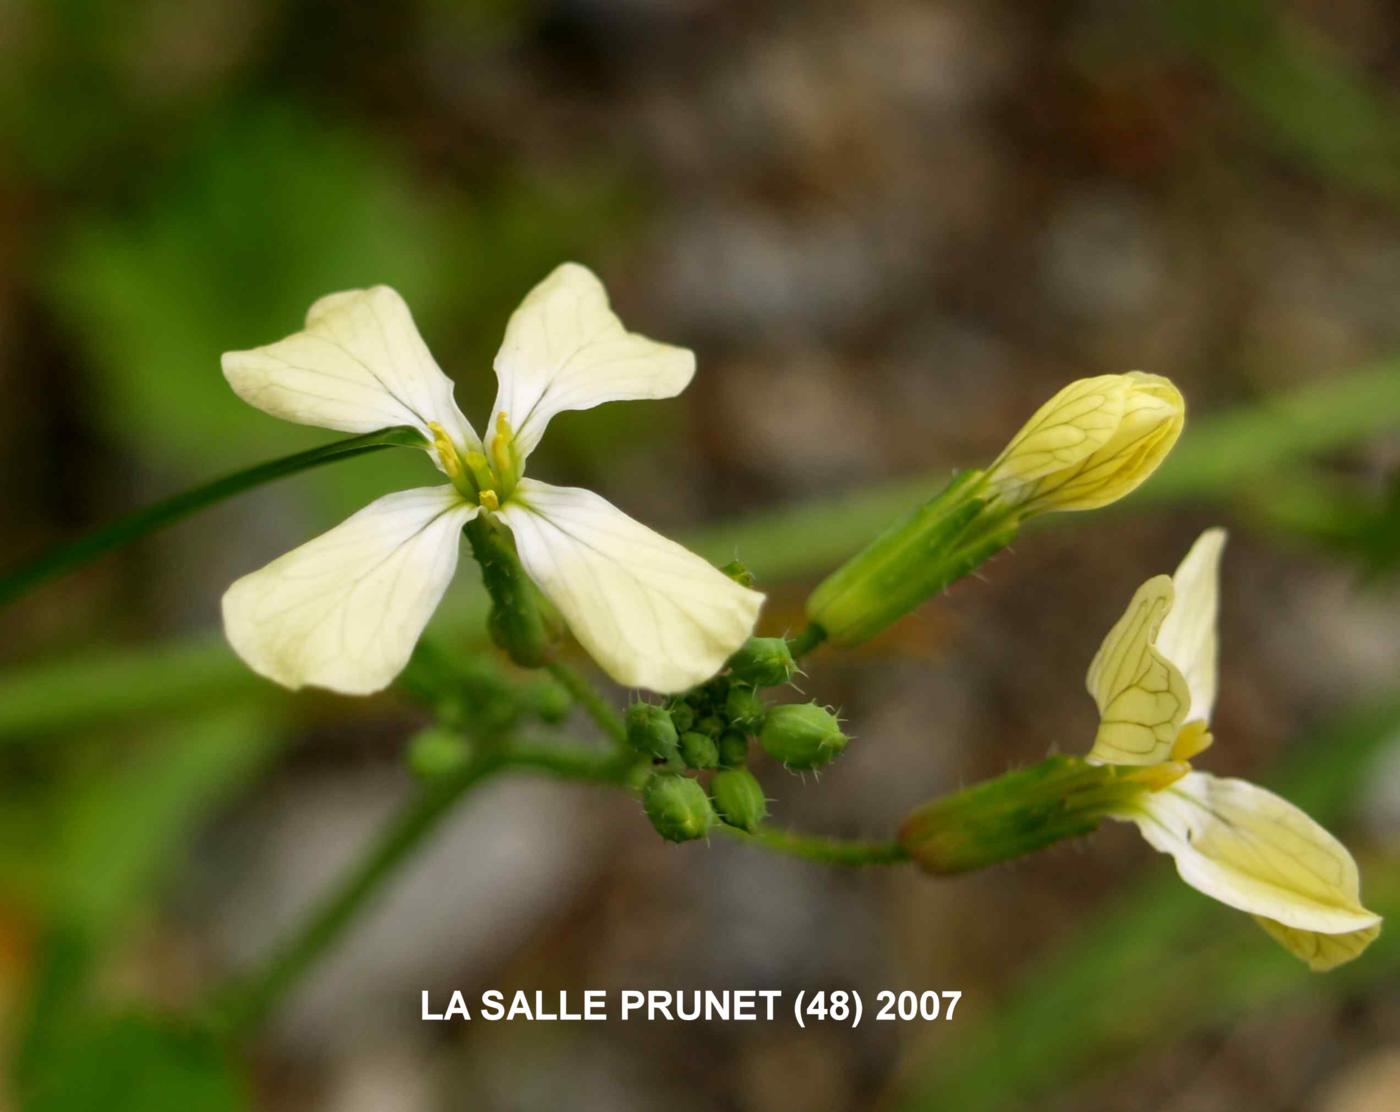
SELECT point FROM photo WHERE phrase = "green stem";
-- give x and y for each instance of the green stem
(239, 1009)
(584, 693)
(823, 848)
(573, 762)
(806, 641)
(149, 519)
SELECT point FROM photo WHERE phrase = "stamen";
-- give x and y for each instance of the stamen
(1195, 738)
(481, 471)
(489, 501)
(501, 454)
(446, 451)
(1157, 777)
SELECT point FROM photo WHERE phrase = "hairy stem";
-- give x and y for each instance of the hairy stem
(588, 697)
(806, 641)
(823, 848)
(149, 519)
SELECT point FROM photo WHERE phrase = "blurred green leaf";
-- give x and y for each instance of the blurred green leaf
(1315, 105)
(266, 214)
(135, 1063)
(128, 828)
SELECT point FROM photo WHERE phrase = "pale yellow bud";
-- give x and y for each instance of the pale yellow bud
(1090, 444)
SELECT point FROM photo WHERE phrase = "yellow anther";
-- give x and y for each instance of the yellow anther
(489, 501)
(446, 450)
(1195, 738)
(1157, 777)
(501, 454)
(480, 469)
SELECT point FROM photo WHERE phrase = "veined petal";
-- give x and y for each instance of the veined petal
(359, 365)
(1065, 431)
(1188, 636)
(1141, 696)
(565, 349)
(344, 611)
(1154, 413)
(651, 613)
(1321, 952)
(1256, 852)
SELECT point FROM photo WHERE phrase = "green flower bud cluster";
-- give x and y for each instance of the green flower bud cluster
(709, 729)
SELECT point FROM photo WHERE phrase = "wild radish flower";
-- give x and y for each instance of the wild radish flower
(345, 610)
(1091, 444)
(1154, 681)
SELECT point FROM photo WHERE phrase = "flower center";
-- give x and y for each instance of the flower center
(482, 481)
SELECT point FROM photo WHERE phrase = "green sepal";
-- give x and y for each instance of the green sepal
(1061, 797)
(911, 561)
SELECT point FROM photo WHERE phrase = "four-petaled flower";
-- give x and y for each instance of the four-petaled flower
(345, 610)
(1154, 681)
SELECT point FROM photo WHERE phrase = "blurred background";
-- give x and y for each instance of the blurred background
(890, 230)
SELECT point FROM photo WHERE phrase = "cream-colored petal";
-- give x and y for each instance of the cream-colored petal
(1154, 413)
(1321, 952)
(651, 613)
(1188, 636)
(565, 349)
(1142, 698)
(344, 611)
(1256, 852)
(1065, 431)
(358, 366)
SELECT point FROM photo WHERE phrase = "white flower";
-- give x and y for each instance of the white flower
(345, 610)
(1154, 681)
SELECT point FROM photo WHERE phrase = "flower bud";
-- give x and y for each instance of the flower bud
(549, 701)
(435, 753)
(763, 662)
(699, 750)
(1089, 445)
(712, 725)
(745, 708)
(682, 715)
(650, 730)
(733, 749)
(739, 798)
(802, 735)
(677, 806)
